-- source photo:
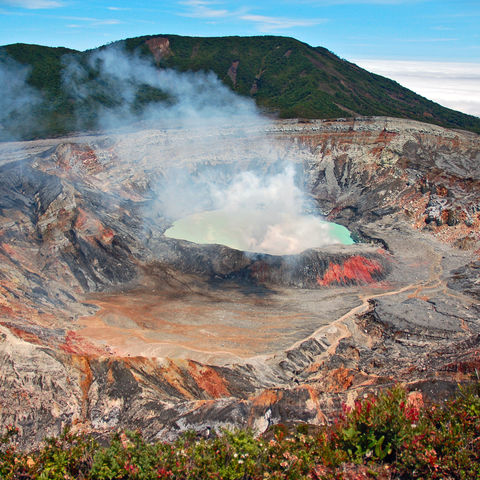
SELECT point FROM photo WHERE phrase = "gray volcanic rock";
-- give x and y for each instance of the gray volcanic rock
(105, 323)
(467, 279)
(305, 270)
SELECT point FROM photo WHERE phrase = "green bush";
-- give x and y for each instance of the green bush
(446, 443)
(68, 457)
(377, 428)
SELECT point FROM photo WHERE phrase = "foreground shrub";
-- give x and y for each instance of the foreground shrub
(446, 443)
(9, 459)
(388, 436)
(377, 428)
(68, 457)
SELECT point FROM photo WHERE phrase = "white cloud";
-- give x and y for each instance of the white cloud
(426, 39)
(267, 24)
(323, 3)
(452, 84)
(201, 9)
(90, 21)
(111, 21)
(209, 9)
(442, 28)
(78, 19)
(34, 4)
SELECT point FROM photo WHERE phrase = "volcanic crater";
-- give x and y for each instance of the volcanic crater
(108, 323)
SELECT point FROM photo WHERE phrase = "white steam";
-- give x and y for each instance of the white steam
(230, 186)
(17, 100)
(215, 157)
(184, 99)
(270, 214)
(260, 215)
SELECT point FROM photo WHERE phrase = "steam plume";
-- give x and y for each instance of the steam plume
(123, 79)
(215, 164)
(17, 101)
(251, 190)
(260, 214)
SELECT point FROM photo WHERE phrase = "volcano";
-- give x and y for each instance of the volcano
(107, 322)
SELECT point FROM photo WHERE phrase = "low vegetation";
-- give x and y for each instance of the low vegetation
(388, 436)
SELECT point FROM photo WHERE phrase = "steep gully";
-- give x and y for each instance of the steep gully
(107, 324)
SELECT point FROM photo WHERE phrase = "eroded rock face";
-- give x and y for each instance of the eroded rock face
(160, 48)
(105, 323)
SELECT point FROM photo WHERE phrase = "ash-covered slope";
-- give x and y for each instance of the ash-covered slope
(67, 91)
(105, 323)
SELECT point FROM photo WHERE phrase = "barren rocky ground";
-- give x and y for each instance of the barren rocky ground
(106, 323)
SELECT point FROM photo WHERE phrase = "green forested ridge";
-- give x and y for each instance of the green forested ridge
(283, 75)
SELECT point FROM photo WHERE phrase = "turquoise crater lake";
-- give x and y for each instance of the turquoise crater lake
(251, 231)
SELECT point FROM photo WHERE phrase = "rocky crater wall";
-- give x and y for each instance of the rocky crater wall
(105, 323)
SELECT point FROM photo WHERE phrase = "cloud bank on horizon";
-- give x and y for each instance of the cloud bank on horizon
(454, 85)
(444, 32)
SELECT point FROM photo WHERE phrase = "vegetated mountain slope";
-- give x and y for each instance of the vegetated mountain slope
(298, 80)
(283, 75)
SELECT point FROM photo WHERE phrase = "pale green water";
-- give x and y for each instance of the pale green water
(250, 231)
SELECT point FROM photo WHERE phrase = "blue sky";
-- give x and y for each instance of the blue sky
(369, 32)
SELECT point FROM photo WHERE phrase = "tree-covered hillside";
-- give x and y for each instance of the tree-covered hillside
(285, 77)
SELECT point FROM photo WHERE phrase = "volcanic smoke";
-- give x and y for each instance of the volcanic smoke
(254, 205)
(262, 215)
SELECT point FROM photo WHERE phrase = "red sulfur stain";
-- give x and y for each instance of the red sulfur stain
(357, 268)
(77, 345)
(268, 398)
(208, 380)
(107, 235)
(27, 336)
(9, 250)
